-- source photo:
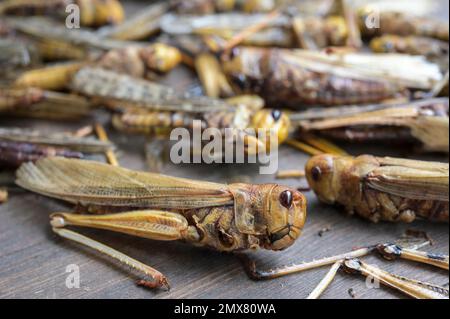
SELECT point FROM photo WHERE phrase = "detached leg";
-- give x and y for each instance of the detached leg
(392, 252)
(412, 288)
(157, 225)
(326, 281)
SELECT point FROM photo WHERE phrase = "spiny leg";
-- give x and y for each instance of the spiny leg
(157, 225)
(412, 288)
(250, 266)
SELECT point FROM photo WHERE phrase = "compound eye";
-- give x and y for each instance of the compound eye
(286, 199)
(276, 115)
(316, 173)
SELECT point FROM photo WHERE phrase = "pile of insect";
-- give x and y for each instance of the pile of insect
(246, 150)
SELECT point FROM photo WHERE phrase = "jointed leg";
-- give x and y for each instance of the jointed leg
(157, 225)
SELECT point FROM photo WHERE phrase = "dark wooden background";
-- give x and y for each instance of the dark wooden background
(33, 260)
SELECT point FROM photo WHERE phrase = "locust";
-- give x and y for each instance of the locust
(211, 6)
(37, 103)
(405, 248)
(296, 78)
(423, 123)
(18, 146)
(223, 217)
(93, 13)
(382, 188)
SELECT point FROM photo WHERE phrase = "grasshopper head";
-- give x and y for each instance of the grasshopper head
(286, 216)
(274, 122)
(319, 172)
(161, 58)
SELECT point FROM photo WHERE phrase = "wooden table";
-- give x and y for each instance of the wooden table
(33, 260)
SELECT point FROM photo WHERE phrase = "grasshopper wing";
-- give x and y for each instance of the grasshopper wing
(411, 179)
(93, 183)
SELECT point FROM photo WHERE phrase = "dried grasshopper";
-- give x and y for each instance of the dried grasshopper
(414, 45)
(282, 31)
(93, 13)
(224, 217)
(424, 122)
(299, 77)
(382, 189)
(18, 146)
(38, 103)
(400, 23)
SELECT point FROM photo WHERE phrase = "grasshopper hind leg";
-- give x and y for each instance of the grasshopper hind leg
(157, 225)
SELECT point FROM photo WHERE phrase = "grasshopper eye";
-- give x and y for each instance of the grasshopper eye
(276, 115)
(286, 199)
(316, 173)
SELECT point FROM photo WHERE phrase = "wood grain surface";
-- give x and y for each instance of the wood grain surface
(33, 260)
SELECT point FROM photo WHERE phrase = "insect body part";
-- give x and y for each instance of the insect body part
(18, 146)
(93, 13)
(413, 288)
(226, 217)
(388, 189)
(403, 24)
(423, 122)
(410, 45)
(299, 77)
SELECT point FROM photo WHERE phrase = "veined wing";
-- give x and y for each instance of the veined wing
(94, 183)
(57, 140)
(411, 179)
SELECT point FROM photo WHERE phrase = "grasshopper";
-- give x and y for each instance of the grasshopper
(18, 146)
(93, 13)
(224, 217)
(298, 77)
(382, 188)
(307, 32)
(227, 218)
(424, 122)
(413, 45)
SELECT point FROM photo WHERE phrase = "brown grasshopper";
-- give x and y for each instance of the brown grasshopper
(226, 218)
(424, 122)
(93, 13)
(18, 146)
(382, 188)
(299, 77)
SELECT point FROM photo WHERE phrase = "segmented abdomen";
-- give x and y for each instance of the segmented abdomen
(379, 206)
